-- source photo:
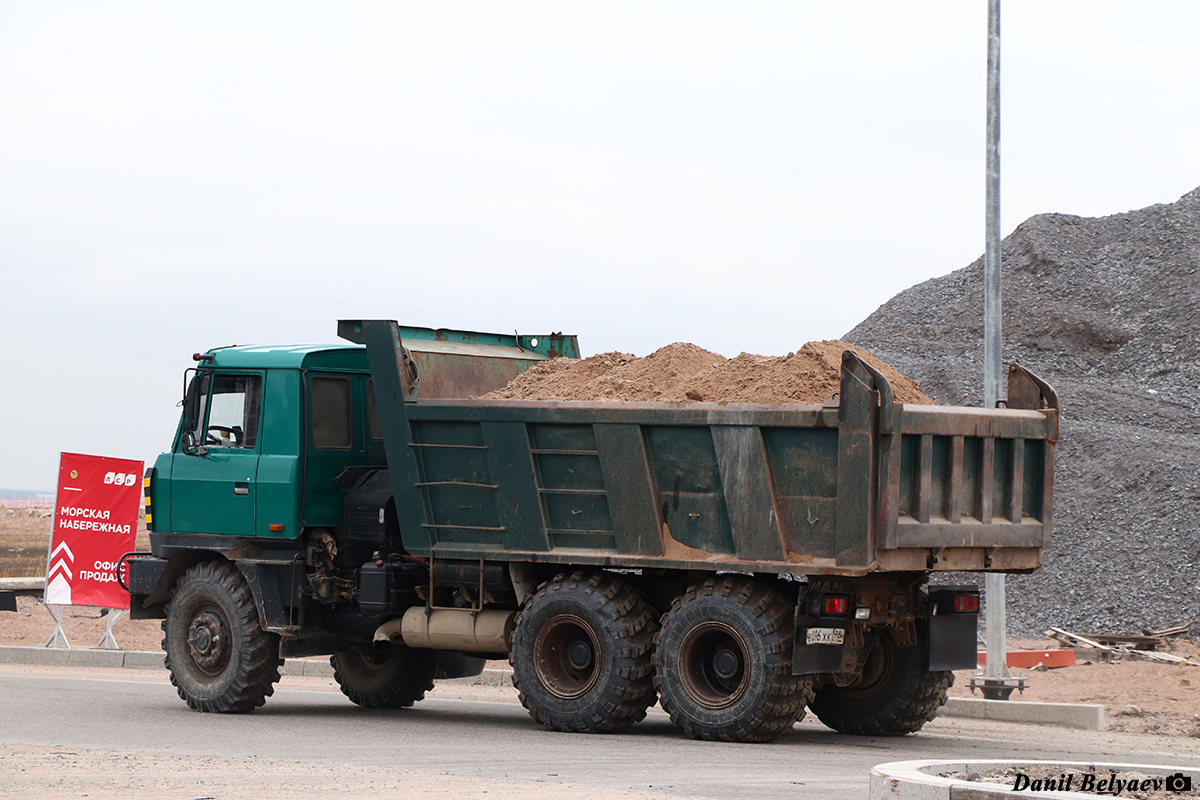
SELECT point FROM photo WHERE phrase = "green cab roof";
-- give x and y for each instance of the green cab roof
(292, 356)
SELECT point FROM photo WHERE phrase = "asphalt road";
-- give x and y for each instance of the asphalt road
(497, 741)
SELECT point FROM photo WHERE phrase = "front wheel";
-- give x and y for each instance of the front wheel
(219, 656)
(724, 662)
(383, 675)
(895, 694)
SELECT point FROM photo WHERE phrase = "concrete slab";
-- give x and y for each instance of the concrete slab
(79, 657)
(1068, 715)
(33, 655)
(489, 677)
(141, 660)
(320, 668)
(23, 585)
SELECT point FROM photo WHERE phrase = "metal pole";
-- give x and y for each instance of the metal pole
(997, 625)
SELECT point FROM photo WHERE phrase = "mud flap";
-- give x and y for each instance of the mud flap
(812, 659)
(276, 587)
(953, 642)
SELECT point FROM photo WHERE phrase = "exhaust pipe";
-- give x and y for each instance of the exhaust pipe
(451, 629)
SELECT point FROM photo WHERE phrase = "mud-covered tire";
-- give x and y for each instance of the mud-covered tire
(581, 654)
(395, 676)
(723, 662)
(218, 654)
(896, 693)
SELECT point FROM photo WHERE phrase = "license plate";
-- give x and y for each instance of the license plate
(825, 636)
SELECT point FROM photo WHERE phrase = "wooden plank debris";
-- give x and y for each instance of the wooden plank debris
(1178, 630)
(1074, 639)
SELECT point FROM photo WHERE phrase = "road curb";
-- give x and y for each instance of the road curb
(1066, 715)
(133, 659)
(926, 780)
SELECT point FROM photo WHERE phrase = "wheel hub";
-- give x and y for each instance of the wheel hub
(579, 654)
(712, 665)
(725, 664)
(564, 656)
(208, 641)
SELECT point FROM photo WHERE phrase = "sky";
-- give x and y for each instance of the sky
(746, 177)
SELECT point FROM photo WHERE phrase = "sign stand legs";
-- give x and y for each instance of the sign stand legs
(59, 634)
(114, 614)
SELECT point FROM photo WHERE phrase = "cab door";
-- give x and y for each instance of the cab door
(213, 489)
(331, 438)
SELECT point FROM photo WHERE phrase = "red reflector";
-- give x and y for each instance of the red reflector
(837, 605)
(277, 528)
(966, 603)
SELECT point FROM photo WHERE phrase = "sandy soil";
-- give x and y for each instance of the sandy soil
(1138, 696)
(684, 373)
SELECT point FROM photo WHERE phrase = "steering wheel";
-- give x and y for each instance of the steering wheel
(235, 433)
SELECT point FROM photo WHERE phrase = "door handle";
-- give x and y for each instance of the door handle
(241, 488)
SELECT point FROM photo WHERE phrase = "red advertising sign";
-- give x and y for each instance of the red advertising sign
(95, 522)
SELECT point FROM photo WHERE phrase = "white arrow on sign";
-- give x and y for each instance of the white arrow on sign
(58, 587)
(61, 564)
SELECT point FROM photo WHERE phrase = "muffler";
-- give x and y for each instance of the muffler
(452, 629)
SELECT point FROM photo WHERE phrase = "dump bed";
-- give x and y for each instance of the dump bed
(860, 484)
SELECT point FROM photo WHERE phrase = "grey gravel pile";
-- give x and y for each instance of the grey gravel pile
(1108, 311)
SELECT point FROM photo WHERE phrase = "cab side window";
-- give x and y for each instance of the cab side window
(329, 409)
(232, 404)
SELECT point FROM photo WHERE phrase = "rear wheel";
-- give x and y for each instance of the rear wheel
(895, 694)
(724, 662)
(581, 654)
(219, 656)
(384, 675)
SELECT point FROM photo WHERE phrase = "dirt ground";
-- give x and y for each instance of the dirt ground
(1138, 696)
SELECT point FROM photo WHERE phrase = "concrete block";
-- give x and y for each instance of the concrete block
(22, 584)
(318, 668)
(135, 659)
(95, 658)
(489, 677)
(33, 655)
(1067, 715)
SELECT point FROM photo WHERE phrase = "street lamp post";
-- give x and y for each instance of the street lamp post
(996, 677)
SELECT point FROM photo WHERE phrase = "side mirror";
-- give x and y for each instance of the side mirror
(190, 447)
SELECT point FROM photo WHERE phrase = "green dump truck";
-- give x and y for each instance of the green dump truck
(738, 563)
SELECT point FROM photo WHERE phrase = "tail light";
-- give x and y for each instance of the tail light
(954, 600)
(836, 606)
(966, 604)
(821, 604)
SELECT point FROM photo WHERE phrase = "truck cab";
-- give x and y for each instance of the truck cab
(268, 441)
